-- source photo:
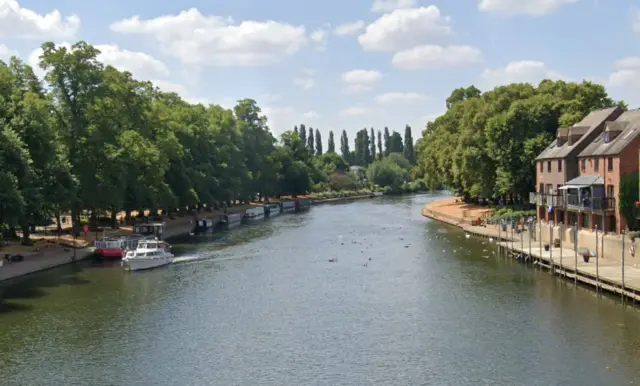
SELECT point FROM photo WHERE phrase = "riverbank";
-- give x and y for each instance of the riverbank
(51, 251)
(606, 273)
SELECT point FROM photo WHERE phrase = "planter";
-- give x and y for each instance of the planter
(586, 258)
(546, 247)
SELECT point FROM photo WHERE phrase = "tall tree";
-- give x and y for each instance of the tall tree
(387, 139)
(310, 140)
(303, 134)
(380, 152)
(295, 129)
(372, 140)
(331, 147)
(344, 147)
(395, 143)
(408, 146)
(318, 138)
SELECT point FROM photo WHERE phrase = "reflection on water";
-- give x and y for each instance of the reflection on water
(409, 301)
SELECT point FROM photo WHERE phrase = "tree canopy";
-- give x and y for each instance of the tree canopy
(486, 143)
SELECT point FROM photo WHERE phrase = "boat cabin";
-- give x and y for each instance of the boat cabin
(150, 229)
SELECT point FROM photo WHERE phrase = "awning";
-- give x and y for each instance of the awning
(583, 182)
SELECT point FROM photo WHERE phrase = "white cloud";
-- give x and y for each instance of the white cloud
(636, 20)
(628, 62)
(18, 22)
(6, 53)
(436, 57)
(349, 28)
(528, 7)
(184, 93)
(391, 5)
(523, 71)
(354, 111)
(400, 97)
(626, 77)
(405, 28)
(197, 39)
(310, 115)
(360, 80)
(319, 37)
(141, 65)
(307, 80)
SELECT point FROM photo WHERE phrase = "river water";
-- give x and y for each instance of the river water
(262, 305)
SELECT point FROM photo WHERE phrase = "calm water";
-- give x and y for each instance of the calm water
(261, 305)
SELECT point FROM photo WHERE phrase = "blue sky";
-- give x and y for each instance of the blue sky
(337, 65)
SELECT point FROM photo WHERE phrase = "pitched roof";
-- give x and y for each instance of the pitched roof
(630, 122)
(590, 123)
(586, 179)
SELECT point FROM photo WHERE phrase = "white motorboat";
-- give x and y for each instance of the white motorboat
(149, 253)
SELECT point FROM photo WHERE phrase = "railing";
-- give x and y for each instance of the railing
(541, 199)
(591, 204)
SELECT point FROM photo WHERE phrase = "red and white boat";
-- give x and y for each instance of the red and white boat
(117, 247)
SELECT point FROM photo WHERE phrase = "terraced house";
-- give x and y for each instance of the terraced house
(600, 157)
(558, 163)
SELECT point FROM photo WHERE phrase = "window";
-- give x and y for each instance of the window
(596, 164)
(610, 191)
(583, 164)
(549, 188)
(610, 164)
(541, 188)
(541, 167)
(549, 166)
(586, 220)
(559, 165)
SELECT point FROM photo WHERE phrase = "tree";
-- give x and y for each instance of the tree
(295, 129)
(408, 145)
(395, 143)
(380, 153)
(310, 140)
(331, 147)
(372, 149)
(387, 140)
(318, 138)
(344, 147)
(303, 133)
(627, 199)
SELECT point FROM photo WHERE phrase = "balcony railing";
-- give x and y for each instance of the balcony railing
(590, 204)
(541, 199)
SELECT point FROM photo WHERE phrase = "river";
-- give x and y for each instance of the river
(262, 305)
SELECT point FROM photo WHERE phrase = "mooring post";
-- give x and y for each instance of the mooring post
(553, 267)
(598, 263)
(561, 237)
(499, 238)
(522, 237)
(511, 226)
(624, 236)
(575, 248)
(530, 235)
(540, 252)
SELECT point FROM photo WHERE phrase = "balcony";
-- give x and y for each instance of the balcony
(590, 204)
(541, 199)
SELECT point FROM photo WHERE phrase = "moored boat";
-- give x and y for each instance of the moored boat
(229, 220)
(255, 213)
(114, 247)
(206, 225)
(288, 206)
(272, 210)
(303, 204)
(149, 253)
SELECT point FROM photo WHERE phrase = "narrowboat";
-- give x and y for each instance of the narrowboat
(272, 210)
(255, 213)
(288, 206)
(229, 220)
(303, 204)
(206, 225)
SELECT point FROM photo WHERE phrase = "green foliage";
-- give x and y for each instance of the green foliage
(391, 171)
(486, 143)
(627, 199)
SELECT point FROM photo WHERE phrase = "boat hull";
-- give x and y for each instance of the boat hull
(142, 263)
(110, 253)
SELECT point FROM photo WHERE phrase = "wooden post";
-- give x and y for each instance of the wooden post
(529, 229)
(561, 237)
(597, 262)
(553, 266)
(540, 226)
(575, 247)
(499, 238)
(522, 237)
(624, 236)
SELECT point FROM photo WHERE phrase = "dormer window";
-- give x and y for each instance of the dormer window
(607, 137)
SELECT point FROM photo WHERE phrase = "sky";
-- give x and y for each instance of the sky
(337, 65)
